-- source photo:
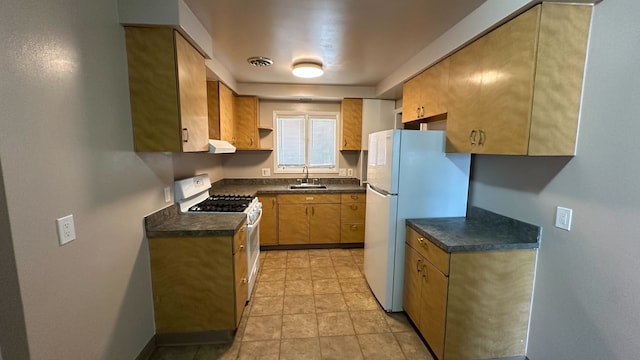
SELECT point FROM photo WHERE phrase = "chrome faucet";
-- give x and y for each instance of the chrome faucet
(305, 169)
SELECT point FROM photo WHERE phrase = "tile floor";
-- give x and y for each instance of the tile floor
(312, 304)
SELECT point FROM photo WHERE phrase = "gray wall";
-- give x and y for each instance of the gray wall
(587, 286)
(66, 148)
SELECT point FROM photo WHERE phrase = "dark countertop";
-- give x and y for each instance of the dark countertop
(169, 222)
(481, 230)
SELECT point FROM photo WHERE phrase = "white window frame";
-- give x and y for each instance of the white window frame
(299, 169)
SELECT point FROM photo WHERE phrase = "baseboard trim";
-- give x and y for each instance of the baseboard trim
(195, 338)
(147, 350)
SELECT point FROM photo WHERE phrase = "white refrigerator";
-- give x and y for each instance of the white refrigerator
(409, 176)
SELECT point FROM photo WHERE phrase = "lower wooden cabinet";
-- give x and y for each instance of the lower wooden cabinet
(308, 219)
(269, 221)
(352, 214)
(199, 283)
(468, 305)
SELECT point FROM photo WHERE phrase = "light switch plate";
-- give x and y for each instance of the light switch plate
(66, 229)
(563, 218)
(349, 172)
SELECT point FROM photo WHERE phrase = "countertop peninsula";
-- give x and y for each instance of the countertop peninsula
(480, 230)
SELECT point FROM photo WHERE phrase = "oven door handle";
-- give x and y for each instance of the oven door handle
(250, 227)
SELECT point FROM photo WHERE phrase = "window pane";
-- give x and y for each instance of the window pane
(322, 142)
(291, 144)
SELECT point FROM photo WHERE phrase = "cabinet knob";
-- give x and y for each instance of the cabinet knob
(354, 197)
(185, 135)
(482, 137)
(251, 140)
(418, 112)
(421, 111)
(241, 247)
(472, 137)
(313, 210)
(273, 202)
(345, 143)
(354, 227)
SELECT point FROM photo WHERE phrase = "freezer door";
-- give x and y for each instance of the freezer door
(379, 245)
(383, 162)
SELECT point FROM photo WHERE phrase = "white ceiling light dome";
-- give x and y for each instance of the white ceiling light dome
(307, 69)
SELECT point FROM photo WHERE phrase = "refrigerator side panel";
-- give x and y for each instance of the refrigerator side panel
(379, 245)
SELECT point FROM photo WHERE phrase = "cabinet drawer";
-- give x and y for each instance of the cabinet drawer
(353, 197)
(308, 198)
(429, 250)
(353, 212)
(352, 233)
(240, 239)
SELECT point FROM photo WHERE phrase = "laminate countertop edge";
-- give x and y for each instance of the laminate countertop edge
(480, 230)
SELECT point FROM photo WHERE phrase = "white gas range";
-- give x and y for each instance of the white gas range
(192, 196)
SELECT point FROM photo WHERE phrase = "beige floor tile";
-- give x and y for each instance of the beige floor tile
(297, 253)
(330, 303)
(369, 322)
(297, 262)
(339, 252)
(274, 254)
(293, 273)
(300, 349)
(267, 305)
(343, 261)
(299, 326)
(354, 285)
(360, 301)
(272, 274)
(320, 261)
(323, 273)
(318, 253)
(274, 263)
(345, 272)
(263, 350)
(299, 304)
(398, 322)
(340, 348)
(334, 324)
(412, 346)
(269, 288)
(263, 328)
(298, 287)
(361, 267)
(359, 252)
(326, 286)
(380, 347)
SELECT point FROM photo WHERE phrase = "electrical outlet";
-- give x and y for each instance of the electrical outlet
(343, 172)
(167, 194)
(563, 218)
(266, 172)
(66, 229)
(349, 172)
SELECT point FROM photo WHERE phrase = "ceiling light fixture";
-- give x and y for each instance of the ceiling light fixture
(307, 69)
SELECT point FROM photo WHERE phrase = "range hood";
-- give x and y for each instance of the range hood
(220, 147)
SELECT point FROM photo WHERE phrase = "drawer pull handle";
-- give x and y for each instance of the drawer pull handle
(241, 247)
(354, 197)
(354, 227)
(418, 268)
(354, 207)
(425, 274)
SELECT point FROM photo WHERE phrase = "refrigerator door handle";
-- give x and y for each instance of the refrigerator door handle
(378, 192)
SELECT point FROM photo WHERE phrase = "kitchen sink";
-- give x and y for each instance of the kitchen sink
(307, 186)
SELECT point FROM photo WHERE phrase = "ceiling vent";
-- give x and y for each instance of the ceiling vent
(260, 61)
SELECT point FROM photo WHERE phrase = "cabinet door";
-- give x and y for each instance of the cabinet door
(268, 229)
(293, 223)
(352, 233)
(246, 122)
(324, 224)
(411, 99)
(434, 306)
(508, 68)
(465, 80)
(351, 111)
(412, 283)
(226, 113)
(192, 83)
(434, 82)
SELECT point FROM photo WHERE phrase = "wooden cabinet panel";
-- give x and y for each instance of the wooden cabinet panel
(324, 224)
(351, 233)
(351, 119)
(240, 280)
(433, 307)
(353, 198)
(352, 217)
(268, 224)
(227, 114)
(353, 212)
(293, 224)
(246, 122)
(426, 94)
(308, 198)
(517, 89)
(429, 250)
(411, 295)
(167, 85)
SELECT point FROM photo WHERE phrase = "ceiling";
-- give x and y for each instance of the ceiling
(359, 42)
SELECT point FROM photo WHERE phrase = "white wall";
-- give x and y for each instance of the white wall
(66, 148)
(587, 287)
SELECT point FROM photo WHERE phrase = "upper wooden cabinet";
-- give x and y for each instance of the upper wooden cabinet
(426, 94)
(517, 89)
(168, 91)
(351, 114)
(220, 100)
(246, 122)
